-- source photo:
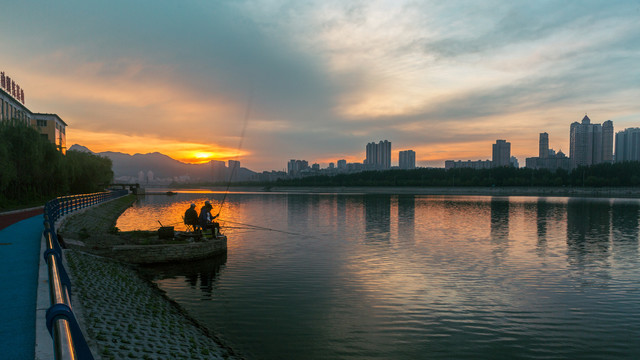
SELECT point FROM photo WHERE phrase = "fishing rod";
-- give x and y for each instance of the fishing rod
(244, 128)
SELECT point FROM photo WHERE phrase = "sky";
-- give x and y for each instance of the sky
(268, 81)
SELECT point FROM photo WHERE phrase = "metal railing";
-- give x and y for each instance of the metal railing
(68, 341)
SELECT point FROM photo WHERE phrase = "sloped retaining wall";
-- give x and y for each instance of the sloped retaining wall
(150, 254)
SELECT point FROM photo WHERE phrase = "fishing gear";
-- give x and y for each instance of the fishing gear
(256, 227)
(244, 128)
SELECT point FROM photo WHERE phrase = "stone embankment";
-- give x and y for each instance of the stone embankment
(124, 316)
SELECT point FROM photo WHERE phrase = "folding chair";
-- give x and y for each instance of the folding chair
(190, 228)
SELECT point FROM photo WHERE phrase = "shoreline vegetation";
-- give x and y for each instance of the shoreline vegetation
(155, 326)
(33, 170)
(617, 179)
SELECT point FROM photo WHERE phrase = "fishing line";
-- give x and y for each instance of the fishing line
(256, 227)
(244, 128)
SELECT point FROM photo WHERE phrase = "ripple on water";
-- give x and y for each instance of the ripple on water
(389, 277)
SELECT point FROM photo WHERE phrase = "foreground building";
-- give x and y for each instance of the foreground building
(54, 128)
(12, 108)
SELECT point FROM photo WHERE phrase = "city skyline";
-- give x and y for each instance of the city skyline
(317, 80)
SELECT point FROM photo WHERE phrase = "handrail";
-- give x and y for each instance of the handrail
(68, 341)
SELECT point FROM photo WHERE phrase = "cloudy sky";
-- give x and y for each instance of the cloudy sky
(318, 80)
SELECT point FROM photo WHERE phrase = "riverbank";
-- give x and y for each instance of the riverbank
(477, 191)
(614, 192)
(123, 315)
(126, 317)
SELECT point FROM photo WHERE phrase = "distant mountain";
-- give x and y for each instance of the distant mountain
(76, 147)
(162, 169)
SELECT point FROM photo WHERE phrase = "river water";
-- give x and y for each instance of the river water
(354, 276)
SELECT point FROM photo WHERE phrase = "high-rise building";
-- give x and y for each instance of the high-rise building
(543, 148)
(342, 164)
(548, 159)
(218, 170)
(513, 162)
(407, 159)
(607, 141)
(234, 165)
(294, 167)
(501, 153)
(378, 155)
(590, 144)
(628, 145)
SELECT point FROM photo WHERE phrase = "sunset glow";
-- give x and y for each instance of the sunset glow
(320, 80)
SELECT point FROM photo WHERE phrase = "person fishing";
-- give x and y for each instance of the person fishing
(206, 219)
(191, 218)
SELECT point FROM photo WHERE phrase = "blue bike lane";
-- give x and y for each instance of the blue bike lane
(19, 259)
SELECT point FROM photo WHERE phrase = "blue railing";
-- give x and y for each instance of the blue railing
(68, 341)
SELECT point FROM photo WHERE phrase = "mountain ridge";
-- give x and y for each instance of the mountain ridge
(159, 168)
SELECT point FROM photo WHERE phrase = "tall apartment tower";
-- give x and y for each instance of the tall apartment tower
(590, 144)
(607, 141)
(501, 153)
(407, 159)
(378, 155)
(543, 148)
(628, 145)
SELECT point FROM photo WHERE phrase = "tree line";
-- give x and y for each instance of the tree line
(33, 171)
(601, 175)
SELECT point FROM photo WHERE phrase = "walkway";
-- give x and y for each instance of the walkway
(19, 258)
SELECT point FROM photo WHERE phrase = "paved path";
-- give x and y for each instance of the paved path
(19, 258)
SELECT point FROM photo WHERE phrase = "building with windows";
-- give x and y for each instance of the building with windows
(628, 145)
(378, 155)
(295, 167)
(53, 128)
(13, 108)
(543, 146)
(589, 143)
(501, 153)
(547, 158)
(234, 165)
(407, 159)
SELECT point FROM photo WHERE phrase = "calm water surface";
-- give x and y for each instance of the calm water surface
(412, 277)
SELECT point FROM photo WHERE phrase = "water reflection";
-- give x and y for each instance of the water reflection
(200, 274)
(625, 215)
(378, 217)
(460, 277)
(406, 218)
(589, 237)
(499, 219)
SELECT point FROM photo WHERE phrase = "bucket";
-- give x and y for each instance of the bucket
(166, 232)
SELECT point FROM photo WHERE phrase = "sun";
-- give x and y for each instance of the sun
(203, 156)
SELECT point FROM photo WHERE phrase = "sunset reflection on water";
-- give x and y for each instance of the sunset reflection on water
(327, 276)
(151, 211)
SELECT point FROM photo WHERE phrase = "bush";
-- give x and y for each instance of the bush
(32, 170)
